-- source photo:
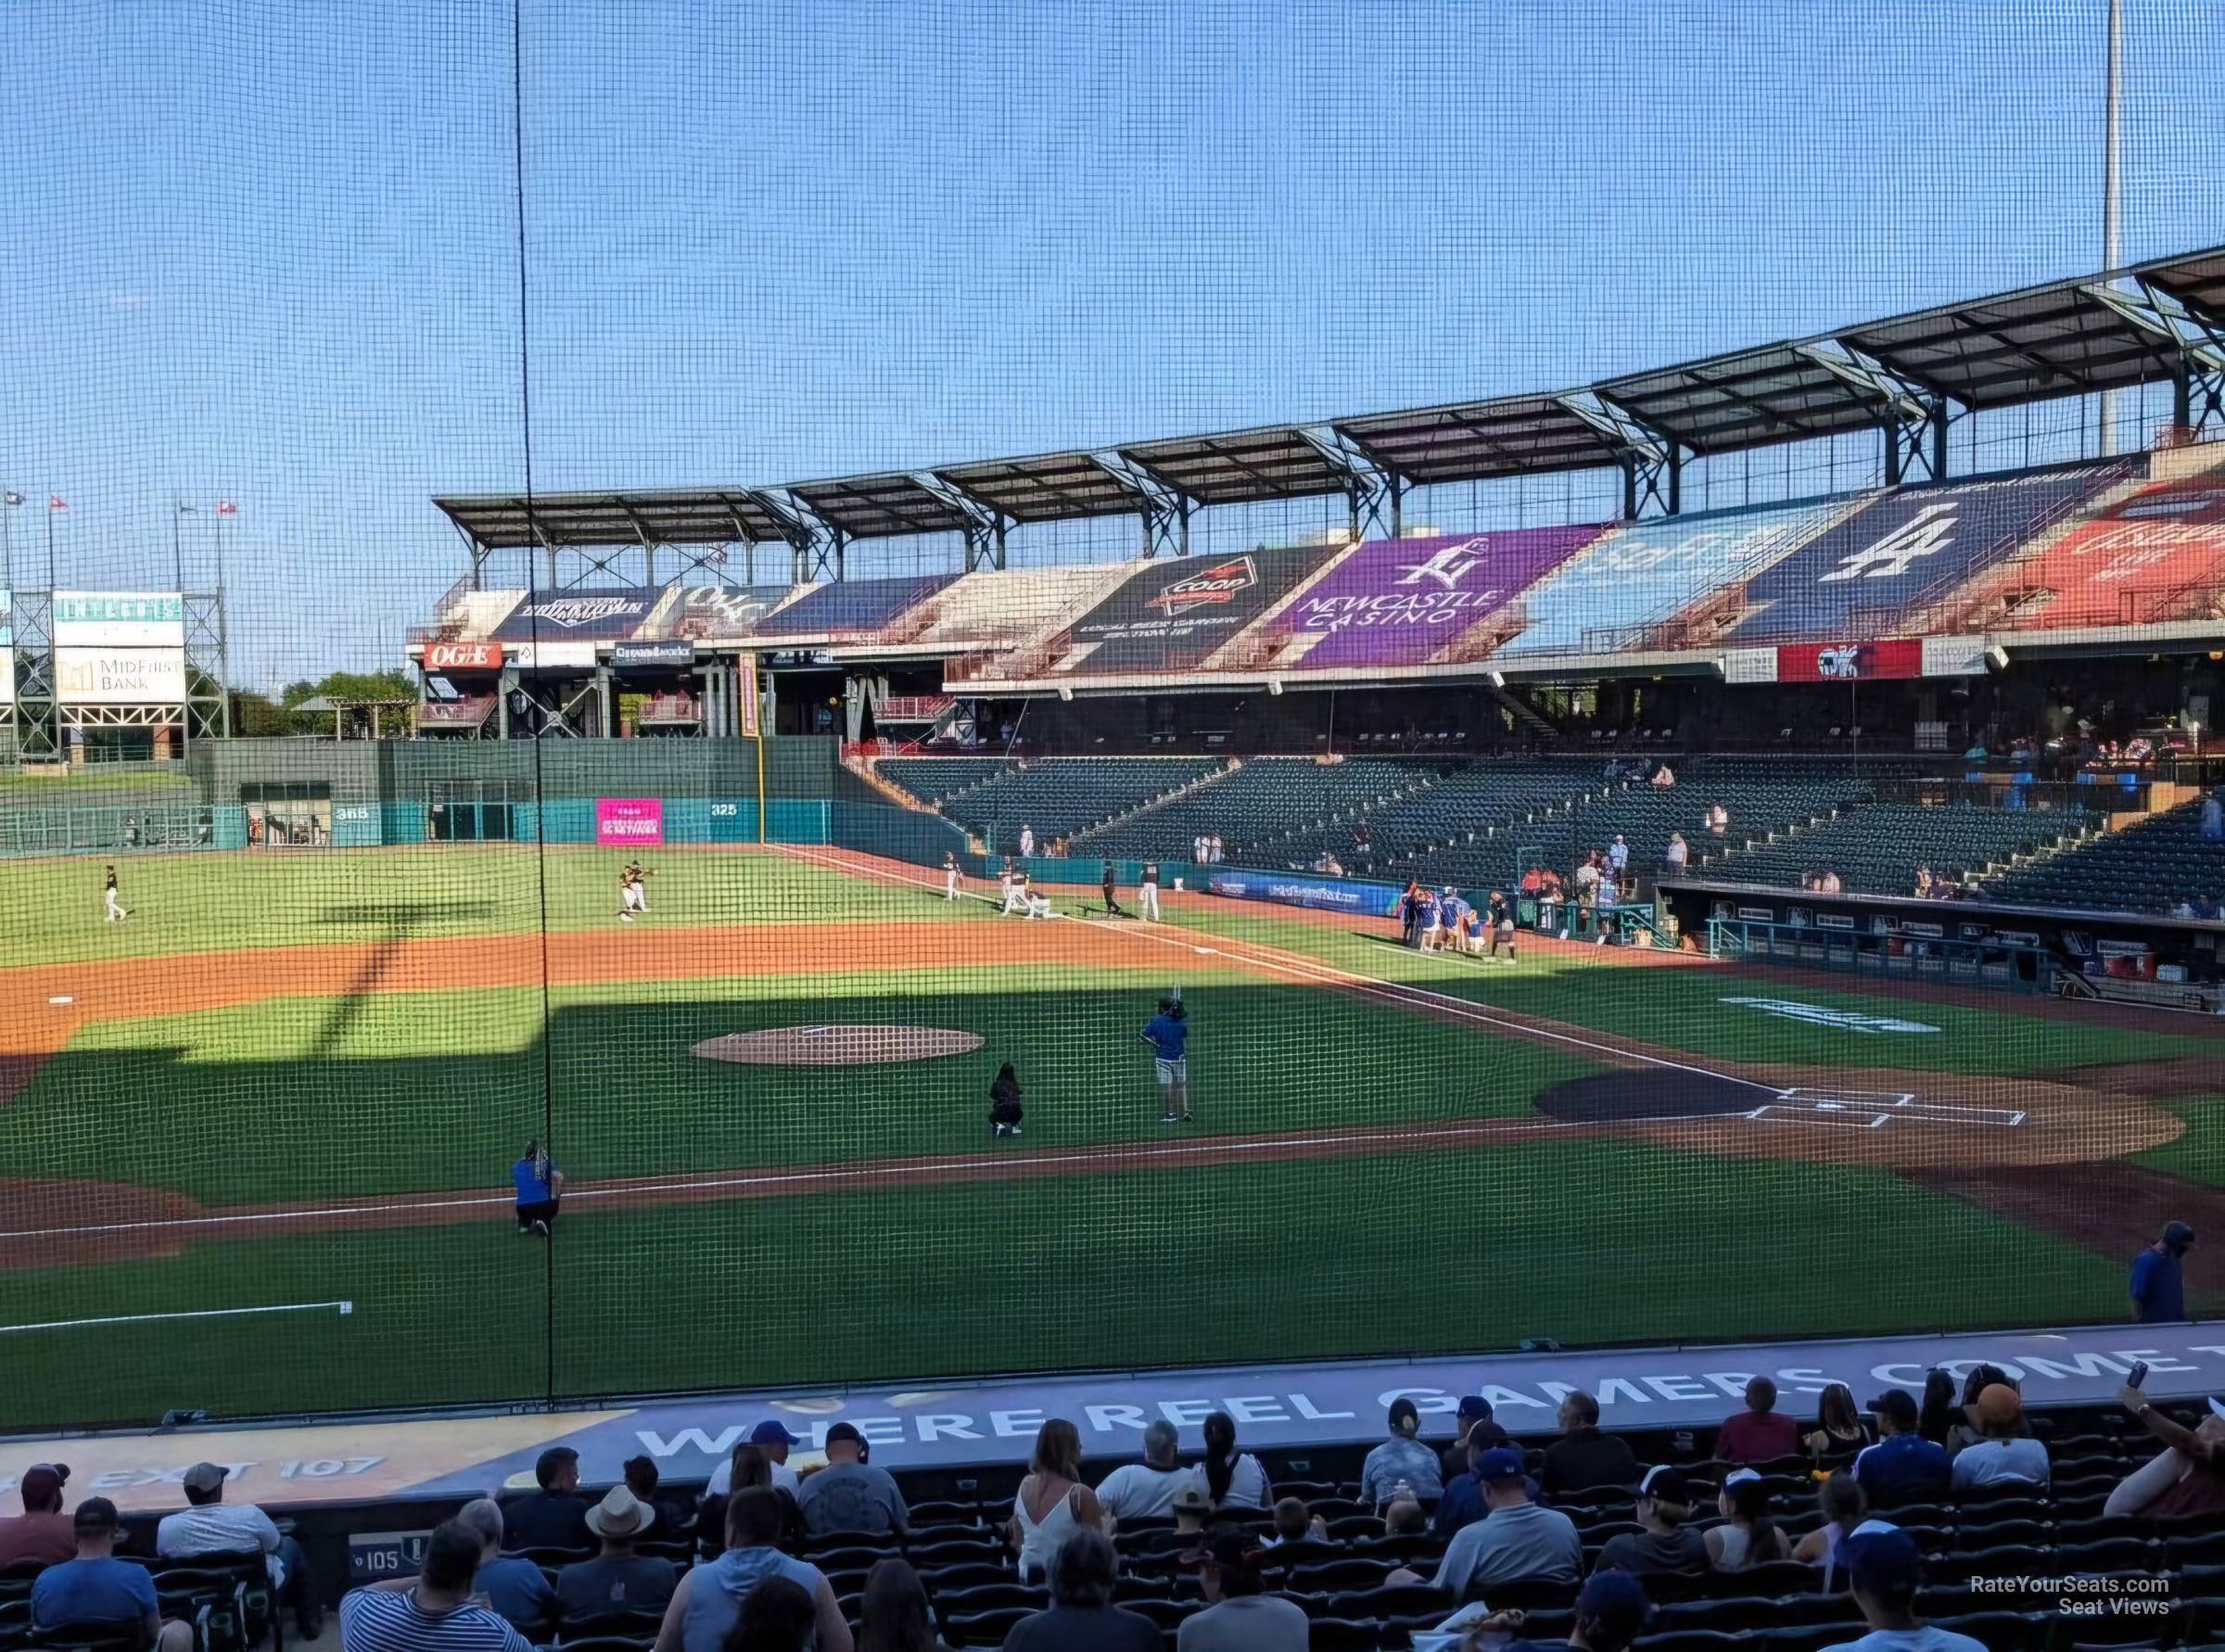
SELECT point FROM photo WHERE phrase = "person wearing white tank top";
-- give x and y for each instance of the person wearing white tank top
(1052, 1504)
(1247, 1484)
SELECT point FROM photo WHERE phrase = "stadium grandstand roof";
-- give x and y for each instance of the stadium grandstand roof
(2157, 322)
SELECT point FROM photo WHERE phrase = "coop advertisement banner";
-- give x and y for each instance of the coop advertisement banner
(1401, 602)
(850, 606)
(2159, 555)
(581, 615)
(1850, 662)
(629, 823)
(120, 676)
(1647, 573)
(119, 619)
(1171, 615)
(1888, 554)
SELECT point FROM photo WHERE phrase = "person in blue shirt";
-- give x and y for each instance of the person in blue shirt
(539, 1185)
(1902, 1466)
(96, 1588)
(1168, 1035)
(2158, 1280)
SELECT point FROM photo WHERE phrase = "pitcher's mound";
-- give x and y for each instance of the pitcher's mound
(853, 1044)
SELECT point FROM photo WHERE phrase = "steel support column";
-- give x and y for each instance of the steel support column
(1375, 491)
(1651, 461)
(1163, 507)
(2196, 346)
(1912, 417)
(817, 543)
(985, 524)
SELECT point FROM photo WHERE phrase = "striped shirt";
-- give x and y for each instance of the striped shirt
(373, 1620)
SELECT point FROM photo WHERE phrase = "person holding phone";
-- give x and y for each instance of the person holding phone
(2183, 1482)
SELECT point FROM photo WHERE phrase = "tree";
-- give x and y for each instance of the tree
(257, 717)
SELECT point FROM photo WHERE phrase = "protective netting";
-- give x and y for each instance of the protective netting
(411, 416)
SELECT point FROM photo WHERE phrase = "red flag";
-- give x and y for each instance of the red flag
(224, 507)
(55, 501)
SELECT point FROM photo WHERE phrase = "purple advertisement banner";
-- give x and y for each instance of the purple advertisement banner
(1401, 602)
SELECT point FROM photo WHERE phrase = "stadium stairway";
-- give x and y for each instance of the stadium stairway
(2150, 866)
(1876, 847)
(1259, 802)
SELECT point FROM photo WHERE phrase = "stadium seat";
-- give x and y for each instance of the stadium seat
(982, 1629)
(1342, 1635)
(624, 1626)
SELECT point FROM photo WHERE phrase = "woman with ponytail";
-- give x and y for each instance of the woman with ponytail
(1232, 1478)
(1748, 1536)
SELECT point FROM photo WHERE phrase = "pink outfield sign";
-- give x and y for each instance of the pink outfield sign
(625, 823)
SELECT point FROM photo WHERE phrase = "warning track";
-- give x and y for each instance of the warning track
(1735, 1109)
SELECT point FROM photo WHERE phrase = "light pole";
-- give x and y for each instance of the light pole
(2113, 183)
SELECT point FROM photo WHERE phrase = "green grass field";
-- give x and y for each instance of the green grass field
(1104, 1255)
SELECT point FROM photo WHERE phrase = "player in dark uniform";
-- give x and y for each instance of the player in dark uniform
(112, 899)
(1146, 892)
(1113, 909)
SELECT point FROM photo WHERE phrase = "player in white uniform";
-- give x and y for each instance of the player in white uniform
(1015, 892)
(1038, 906)
(1147, 893)
(111, 901)
(950, 875)
(641, 885)
(629, 896)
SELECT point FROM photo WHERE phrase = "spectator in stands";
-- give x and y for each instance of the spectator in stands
(1828, 883)
(433, 1612)
(769, 1444)
(2159, 1276)
(1027, 840)
(1719, 819)
(1761, 1431)
(1401, 1461)
(1191, 1507)
(1663, 778)
(1844, 1508)
(1081, 1616)
(1551, 897)
(2186, 1479)
(1748, 1536)
(708, 1601)
(618, 1579)
(1841, 1430)
(1886, 1568)
(1361, 837)
(1463, 1503)
(1665, 1544)
(94, 1587)
(1517, 1540)
(1291, 1521)
(208, 1525)
(1232, 1478)
(1587, 883)
(2213, 819)
(849, 1495)
(1052, 1504)
(1677, 856)
(1618, 857)
(1903, 1465)
(1402, 1517)
(1241, 1615)
(778, 1616)
(2002, 1455)
(1966, 1429)
(1146, 1490)
(1938, 1413)
(1409, 914)
(1923, 883)
(1583, 1456)
(41, 1534)
(515, 1587)
(554, 1517)
(1217, 849)
(673, 1518)
(1611, 1614)
(1472, 1414)
(1197, 849)
(893, 1614)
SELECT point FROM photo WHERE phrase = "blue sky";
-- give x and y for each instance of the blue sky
(269, 253)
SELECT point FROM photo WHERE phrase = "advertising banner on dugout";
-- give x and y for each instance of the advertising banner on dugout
(1891, 553)
(1169, 617)
(1652, 571)
(1401, 602)
(629, 823)
(2157, 556)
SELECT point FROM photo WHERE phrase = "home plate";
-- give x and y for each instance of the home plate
(1872, 1109)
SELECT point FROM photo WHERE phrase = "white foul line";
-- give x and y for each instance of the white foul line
(345, 1308)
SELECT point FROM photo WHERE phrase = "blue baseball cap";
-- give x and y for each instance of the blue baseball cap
(769, 1433)
(1616, 1598)
(1883, 1559)
(1499, 1464)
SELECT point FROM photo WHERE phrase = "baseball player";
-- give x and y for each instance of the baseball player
(641, 885)
(1038, 905)
(1500, 922)
(1014, 884)
(111, 900)
(950, 875)
(1112, 892)
(1147, 893)
(1168, 1035)
(630, 895)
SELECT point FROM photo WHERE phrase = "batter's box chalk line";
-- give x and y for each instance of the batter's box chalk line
(1872, 1109)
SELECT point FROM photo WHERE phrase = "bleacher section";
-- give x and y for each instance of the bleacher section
(2148, 867)
(1057, 796)
(936, 780)
(1264, 801)
(1472, 805)
(1876, 848)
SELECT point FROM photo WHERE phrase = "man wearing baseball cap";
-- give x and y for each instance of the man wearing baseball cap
(2159, 1276)
(96, 1587)
(772, 1440)
(41, 1534)
(208, 1525)
(1886, 1568)
(1242, 1617)
(1664, 1504)
(1518, 1538)
(1902, 1464)
(1611, 1614)
(618, 1579)
(849, 1495)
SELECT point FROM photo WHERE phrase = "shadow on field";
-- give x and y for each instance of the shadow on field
(402, 921)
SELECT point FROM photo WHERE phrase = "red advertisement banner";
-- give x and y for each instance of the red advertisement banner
(463, 656)
(1850, 662)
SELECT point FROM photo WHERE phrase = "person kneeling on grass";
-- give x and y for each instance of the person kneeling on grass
(540, 1188)
(1005, 1106)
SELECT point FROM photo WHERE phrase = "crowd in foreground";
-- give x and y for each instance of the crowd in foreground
(1217, 1520)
